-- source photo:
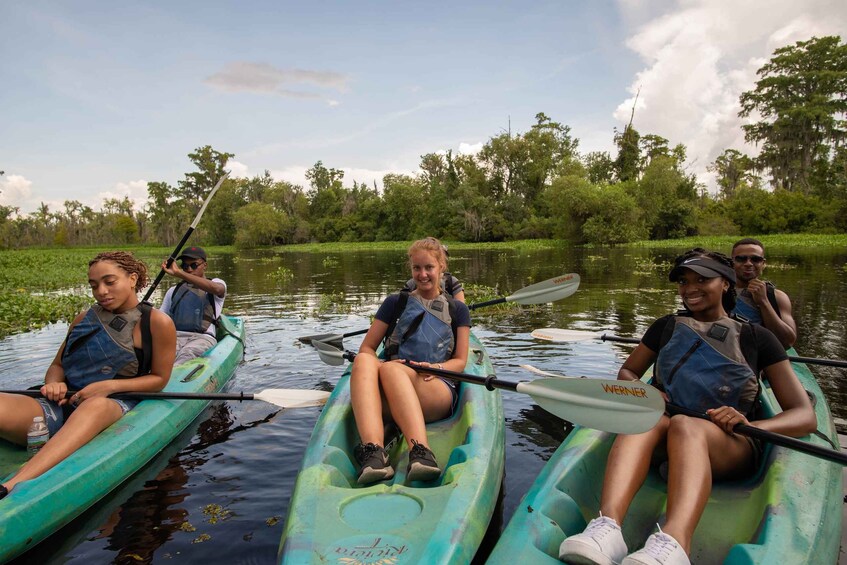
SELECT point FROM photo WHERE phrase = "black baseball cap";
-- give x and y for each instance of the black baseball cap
(703, 266)
(193, 252)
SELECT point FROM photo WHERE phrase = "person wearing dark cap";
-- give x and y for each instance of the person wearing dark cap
(708, 362)
(195, 304)
(759, 301)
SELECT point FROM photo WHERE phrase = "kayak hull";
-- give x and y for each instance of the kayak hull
(37, 508)
(789, 512)
(333, 520)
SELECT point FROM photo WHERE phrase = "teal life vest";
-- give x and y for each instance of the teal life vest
(100, 346)
(701, 365)
(749, 310)
(192, 308)
(423, 330)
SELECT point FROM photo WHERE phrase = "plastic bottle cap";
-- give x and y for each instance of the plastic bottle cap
(38, 419)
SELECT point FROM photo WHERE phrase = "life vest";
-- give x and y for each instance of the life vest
(100, 346)
(701, 365)
(749, 310)
(423, 330)
(192, 308)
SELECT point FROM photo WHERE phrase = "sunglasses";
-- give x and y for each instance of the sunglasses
(190, 266)
(741, 259)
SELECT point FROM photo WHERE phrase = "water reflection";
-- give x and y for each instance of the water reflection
(245, 457)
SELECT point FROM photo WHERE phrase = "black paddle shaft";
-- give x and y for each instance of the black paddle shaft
(490, 382)
(153, 395)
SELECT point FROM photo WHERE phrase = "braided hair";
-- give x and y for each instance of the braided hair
(729, 297)
(127, 262)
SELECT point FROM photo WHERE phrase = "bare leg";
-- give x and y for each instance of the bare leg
(92, 417)
(16, 414)
(366, 398)
(412, 400)
(697, 450)
(627, 467)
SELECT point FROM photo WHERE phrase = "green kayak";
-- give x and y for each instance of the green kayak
(790, 512)
(37, 508)
(332, 519)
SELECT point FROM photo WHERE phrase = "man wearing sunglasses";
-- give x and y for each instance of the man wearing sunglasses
(195, 304)
(760, 301)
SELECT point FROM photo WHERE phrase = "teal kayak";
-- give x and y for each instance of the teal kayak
(789, 512)
(37, 508)
(332, 519)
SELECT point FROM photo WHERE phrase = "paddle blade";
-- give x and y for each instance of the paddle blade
(293, 397)
(550, 290)
(620, 407)
(335, 339)
(558, 335)
(328, 353)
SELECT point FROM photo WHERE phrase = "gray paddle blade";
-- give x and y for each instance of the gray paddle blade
(328, 338)
(328, 353)
(550, 290)
(620, 407)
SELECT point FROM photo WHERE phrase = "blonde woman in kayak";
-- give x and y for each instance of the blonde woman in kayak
(709, 363)
(118, 345)
(423, 326)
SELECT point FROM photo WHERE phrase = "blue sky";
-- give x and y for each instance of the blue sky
(99, 98)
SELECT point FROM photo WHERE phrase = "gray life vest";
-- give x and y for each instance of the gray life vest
(192, 308)
(747, 308)
(423, 330)
(701, 365)
(100, 346)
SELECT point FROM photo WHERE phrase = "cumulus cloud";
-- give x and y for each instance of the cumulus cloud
(262, 78)
(135, 190)
(700, 55)
(470, 148)
(237, 169)
(15, 191)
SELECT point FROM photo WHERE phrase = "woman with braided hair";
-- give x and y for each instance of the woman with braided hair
(708, 362)
(117, 345)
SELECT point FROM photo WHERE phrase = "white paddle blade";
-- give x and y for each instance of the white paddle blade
(558, 335)
(550, 290)
(293, 397)
(620, 407)
(537, 371)
(329, 354)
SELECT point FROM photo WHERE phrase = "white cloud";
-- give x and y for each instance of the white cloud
(237, 169)
(136, 190)
(262, 78)
(16, 191)
(700, 55)
(470, 148)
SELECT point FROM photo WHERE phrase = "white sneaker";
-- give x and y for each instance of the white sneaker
(660, 549)
(601, 543)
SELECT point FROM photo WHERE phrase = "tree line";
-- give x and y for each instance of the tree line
(535, 184)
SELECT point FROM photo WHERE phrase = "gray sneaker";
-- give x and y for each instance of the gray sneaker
(422, 464)
(601, 543)
(374, 463)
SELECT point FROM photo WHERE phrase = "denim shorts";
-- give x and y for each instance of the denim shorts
(55, 415)
(454, 393)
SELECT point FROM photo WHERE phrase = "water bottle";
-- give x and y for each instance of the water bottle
(37, 435)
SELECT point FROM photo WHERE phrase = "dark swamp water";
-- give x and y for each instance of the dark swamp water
(245, 457)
